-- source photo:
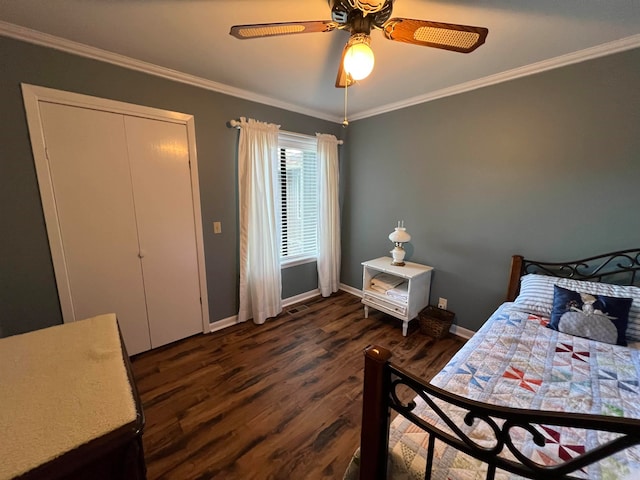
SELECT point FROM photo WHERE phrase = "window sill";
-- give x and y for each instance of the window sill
(294, 262)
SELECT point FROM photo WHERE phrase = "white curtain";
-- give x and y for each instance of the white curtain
(329, 215)
(260, 278)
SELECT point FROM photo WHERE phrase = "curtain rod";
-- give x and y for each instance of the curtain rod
(236, 124)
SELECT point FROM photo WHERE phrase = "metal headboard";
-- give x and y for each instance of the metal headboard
(620, 268)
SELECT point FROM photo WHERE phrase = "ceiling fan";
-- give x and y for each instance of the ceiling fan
(359, 18)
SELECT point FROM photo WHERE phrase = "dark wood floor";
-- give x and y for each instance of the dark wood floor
(277, 401)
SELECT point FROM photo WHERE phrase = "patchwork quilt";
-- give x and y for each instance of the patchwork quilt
(513, 360)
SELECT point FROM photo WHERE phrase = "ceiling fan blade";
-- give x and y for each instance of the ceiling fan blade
(343, 79)
(448, 36)
(259, 30)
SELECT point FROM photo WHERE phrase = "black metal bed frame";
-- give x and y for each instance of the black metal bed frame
(622, 268)
(501, 420)
(383, 381)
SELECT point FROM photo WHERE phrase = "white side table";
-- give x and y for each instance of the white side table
(419, 280)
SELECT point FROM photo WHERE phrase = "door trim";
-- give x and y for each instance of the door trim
(32, 95)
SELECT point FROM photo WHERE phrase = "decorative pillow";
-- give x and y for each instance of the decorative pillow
(536, 296)
(597, 317)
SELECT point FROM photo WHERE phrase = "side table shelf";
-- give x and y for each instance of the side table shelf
(418, 278)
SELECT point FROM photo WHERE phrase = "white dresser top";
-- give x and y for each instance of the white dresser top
(408, 270)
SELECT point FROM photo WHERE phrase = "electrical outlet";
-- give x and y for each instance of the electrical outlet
(217, 227)
(442, 303)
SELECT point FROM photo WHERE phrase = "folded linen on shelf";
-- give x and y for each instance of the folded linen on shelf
(386, 281)
(401, 292)
(377, 289)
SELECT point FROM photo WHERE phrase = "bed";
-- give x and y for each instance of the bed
(520, 399)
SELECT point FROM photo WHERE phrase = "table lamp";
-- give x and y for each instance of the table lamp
(398, 237)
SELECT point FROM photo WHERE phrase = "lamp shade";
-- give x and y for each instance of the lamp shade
(359, 59)
(399, 235)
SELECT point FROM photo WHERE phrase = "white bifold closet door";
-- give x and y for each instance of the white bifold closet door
(124, 206)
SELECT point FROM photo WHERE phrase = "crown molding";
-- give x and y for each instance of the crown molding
(51, 41)
(605, 49)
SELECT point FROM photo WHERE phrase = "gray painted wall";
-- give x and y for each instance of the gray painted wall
(28, 296)
(547, 166)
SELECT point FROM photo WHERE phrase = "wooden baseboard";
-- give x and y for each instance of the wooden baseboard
(233, 320)
(351, 290)
(228, 322)
(461, 332)
(222, 324)
(300, 298)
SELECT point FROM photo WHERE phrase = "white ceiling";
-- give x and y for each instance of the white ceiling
(189, 40)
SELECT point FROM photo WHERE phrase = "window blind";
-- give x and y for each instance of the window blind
(299, 197)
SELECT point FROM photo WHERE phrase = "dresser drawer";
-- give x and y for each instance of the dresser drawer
(377, 301)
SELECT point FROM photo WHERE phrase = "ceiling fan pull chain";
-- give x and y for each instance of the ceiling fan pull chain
(346, 87)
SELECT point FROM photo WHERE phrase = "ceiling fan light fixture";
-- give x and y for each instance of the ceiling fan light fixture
(359, 59)
(368, 6)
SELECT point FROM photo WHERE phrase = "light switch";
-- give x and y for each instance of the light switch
(217, 227)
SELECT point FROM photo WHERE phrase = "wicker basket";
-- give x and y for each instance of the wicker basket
(435, 322)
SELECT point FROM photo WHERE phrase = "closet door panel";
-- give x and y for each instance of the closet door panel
(159, 157)
(89, 168)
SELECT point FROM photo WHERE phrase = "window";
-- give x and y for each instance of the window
(299, 198)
